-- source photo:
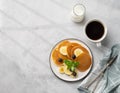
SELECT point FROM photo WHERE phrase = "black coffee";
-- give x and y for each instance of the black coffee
(94, 30)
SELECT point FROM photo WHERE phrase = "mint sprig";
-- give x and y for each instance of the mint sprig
(71, 65)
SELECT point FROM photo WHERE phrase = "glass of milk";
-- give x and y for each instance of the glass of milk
(78, 13)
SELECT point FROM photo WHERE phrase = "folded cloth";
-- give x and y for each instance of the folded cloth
(110, 82)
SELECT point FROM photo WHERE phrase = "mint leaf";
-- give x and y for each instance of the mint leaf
(76, 64)
(72, 68)
(68, 63)
(71, 65)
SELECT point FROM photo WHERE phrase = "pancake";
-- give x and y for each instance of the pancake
(69, 48)
(84, 62)
(83, 58)
(63, 43)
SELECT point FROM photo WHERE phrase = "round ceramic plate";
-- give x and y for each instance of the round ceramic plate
(65, 77)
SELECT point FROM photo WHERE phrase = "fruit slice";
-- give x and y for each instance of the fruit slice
(61, 69)
(67, 71)
(85, 62)
(63, 50)
(77, 52)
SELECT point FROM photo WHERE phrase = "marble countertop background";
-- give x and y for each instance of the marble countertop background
(30, 28)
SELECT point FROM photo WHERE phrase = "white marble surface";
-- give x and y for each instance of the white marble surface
(30, 28)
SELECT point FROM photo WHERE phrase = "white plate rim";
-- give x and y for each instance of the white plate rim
(72, 79)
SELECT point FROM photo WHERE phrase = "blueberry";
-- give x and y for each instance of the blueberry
(74, 73)
(60, 60)
(73, 56)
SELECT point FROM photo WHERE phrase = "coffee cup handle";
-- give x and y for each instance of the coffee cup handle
(98, 44)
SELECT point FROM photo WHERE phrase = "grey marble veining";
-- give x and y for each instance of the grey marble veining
(30, 28)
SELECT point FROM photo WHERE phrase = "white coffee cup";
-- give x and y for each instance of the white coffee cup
(95, 31)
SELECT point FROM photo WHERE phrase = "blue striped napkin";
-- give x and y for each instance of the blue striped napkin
(110, 83)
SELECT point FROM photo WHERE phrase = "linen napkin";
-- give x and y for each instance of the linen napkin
(110, 82)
